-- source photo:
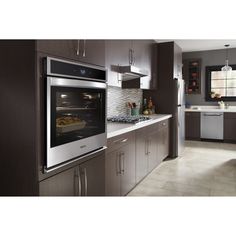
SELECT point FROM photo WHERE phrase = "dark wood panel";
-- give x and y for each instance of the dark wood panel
(18, 165)
(192, 125)
(230, 127)
(93, 172)
(62, 184)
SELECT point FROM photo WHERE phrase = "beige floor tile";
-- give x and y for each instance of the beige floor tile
(204, 169)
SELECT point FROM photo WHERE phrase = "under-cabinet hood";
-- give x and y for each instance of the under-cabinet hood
(131, 72)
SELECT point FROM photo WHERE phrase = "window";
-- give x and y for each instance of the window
(220, 85)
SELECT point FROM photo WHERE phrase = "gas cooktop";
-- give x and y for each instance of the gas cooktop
(128, 119)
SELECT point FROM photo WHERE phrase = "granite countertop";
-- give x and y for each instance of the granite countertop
(114, 129)
(210, 109)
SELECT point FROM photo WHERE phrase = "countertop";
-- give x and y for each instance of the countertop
(114, 129)
(210, 109)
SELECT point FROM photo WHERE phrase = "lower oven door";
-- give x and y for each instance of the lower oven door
(76, 118)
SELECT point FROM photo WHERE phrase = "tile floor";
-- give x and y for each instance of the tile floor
(204, 169)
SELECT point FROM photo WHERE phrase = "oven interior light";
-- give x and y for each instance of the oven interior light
(63, 96)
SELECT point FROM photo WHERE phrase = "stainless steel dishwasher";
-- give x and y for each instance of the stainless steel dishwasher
(212, 125)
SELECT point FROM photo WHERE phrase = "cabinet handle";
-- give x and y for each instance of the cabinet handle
(77, 50)
(121, 140)
(120, 169)
(84, 55)
(130, 56)
(79, 182)
(146, 147)
(164, 124)
(117, 163)
(133, 58)
(85, 182)
(149, 143)
(123, 162)
(75, 184)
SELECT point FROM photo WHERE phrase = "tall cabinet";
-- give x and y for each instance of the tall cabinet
(169, 67)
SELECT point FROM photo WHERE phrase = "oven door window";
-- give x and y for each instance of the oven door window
(76, 113)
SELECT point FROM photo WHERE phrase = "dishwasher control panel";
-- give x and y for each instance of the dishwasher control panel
(212, 125)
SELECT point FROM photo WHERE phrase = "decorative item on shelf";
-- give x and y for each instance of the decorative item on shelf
(217, 95)
(226, 68)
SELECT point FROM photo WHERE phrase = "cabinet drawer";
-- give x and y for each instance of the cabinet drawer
(163, 124)
(230, 115)
(119, 141)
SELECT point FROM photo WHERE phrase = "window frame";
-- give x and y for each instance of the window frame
(209, 69)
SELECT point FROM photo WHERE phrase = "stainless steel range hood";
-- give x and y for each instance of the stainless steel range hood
(131, 72)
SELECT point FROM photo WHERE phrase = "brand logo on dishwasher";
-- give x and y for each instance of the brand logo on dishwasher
(83, 146)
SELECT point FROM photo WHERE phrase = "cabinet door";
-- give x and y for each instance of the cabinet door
(192, 125)
(117, 54)
(92, 52)
(127, 155)
(112, 173)
(230, 126)
(163, 144)
(152, 151)
(61, 48)
(141, 155)
(93, 176)
(63, 184)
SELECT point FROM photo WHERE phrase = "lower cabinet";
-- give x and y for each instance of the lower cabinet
(120, 165)
(87, 179)
(152, 147)
(229, 126)
(192, 125)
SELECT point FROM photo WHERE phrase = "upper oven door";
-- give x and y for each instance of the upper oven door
(75, 112)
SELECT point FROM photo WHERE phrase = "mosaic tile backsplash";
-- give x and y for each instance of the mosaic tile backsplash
(117, 99)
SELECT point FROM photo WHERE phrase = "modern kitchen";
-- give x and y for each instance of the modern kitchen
(118, 117)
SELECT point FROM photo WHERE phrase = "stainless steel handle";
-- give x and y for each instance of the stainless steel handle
(212, 114)
(149, 144)
(122, 140)
(77, 50)
(75, 182)
(123, 162)
(120, 169)
(85, 182)
(79, 182)
(130, 56)
(117, 163)
(133, 58)
(146, 147)
(84, 55)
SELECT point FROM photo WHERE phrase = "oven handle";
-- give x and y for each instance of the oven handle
(72, 161)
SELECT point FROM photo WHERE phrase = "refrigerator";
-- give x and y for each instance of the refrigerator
(179, 117)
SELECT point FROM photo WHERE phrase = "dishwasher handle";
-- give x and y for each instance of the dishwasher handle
(213, 114)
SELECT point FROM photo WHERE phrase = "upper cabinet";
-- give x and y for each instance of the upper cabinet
(117, 54)
(130, 52)
(87, 51)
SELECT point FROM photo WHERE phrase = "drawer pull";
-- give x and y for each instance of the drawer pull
(122, 140)
(163, 124)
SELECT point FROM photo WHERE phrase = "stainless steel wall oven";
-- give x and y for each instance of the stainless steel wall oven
(76, 110)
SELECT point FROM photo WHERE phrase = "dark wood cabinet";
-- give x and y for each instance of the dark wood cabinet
(86, 51)
(192, 76)
(163, 140)
(120, 165)
(86, 179)
(229, 127)
(192, 125)
(152, 147)
(117, 54)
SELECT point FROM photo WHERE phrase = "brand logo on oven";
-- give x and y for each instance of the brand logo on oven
(83, 146)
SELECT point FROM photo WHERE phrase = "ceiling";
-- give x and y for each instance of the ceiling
(190, 45)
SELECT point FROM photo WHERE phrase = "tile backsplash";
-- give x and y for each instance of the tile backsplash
(117, 99)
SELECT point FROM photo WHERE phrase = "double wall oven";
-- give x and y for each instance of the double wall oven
(76, 111)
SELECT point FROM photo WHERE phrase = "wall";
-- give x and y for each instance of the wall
(209, 58)
(117, 99)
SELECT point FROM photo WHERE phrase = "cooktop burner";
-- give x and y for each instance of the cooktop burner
(128, 119)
